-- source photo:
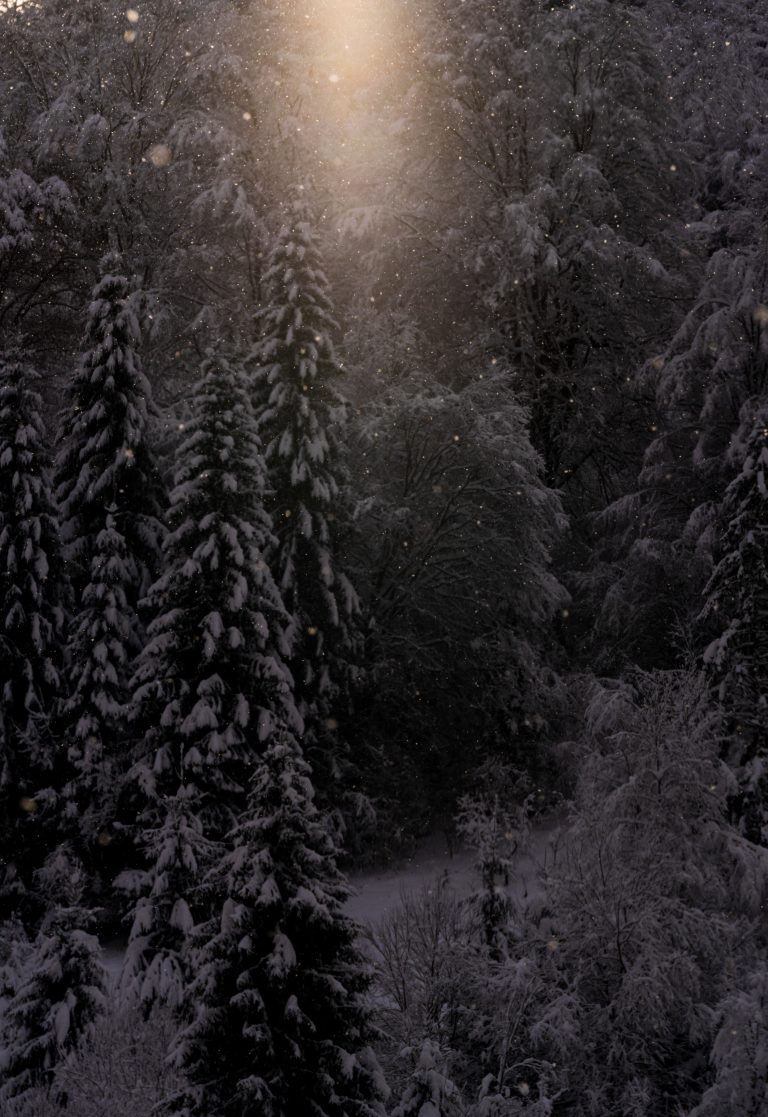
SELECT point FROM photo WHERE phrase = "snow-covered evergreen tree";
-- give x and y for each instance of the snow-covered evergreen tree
(59, 993)
(211, 684)
(31, 617)
(100, 651)
(156, 969)
(105, 459)
(282, 1024)
(494, 822)
(429, 1092)
(737, 597)
(300, 411)
(109, 492)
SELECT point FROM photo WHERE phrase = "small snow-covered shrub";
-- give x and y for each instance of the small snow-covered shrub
(426, 959)
(429, 1092)
(121, 1071)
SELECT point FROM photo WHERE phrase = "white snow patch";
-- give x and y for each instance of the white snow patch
(378, 892)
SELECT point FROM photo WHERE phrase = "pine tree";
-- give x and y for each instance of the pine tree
(101, 649)
(494, 822)
(737, 594)
(110, 498)
(31, 619)
(157, 963)
(300, 410)
(211, 684)
(105, 459)
(282, 1027)
(60, 992)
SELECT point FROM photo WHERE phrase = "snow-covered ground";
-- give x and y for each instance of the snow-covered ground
(377, 892)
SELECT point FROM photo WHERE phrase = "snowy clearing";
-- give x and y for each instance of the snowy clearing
(378, 892)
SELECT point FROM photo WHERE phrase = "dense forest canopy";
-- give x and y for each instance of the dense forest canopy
(383, 456)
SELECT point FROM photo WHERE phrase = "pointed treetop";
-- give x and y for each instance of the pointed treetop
(212, 681)
(105, 457)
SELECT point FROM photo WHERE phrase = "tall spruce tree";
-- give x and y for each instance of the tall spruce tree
(211, 684)
(105, 459)
(31, 619)
(110, 497)
(282, 1027)
(737, 660)
(299, 410)
(103, 643)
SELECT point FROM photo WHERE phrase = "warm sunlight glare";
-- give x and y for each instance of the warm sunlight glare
(359, 52)
(354, 40)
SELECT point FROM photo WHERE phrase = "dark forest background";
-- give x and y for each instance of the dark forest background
(383, 451)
